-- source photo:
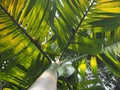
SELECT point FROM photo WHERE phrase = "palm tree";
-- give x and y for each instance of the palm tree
(80, 36)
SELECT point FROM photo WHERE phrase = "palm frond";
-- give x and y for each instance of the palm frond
(110, 57)
(18, 49)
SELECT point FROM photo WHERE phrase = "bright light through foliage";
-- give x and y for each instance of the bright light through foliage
(94, 67)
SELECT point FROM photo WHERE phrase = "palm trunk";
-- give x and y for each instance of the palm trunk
(47, 81)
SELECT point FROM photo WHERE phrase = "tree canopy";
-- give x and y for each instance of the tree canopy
(83, 35)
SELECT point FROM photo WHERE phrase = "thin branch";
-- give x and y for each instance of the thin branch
(76, 58)
(68, 84)
(30, 38)
(76, 29)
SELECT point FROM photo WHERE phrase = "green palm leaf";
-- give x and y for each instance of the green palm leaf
(110, 58)
(20, 49)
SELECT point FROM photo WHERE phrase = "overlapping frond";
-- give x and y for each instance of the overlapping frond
(99, 29)
(101, 26)
(19, 50)
(110, 56)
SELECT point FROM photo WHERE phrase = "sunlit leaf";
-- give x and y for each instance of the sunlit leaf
(94, 67)
(82, 68)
